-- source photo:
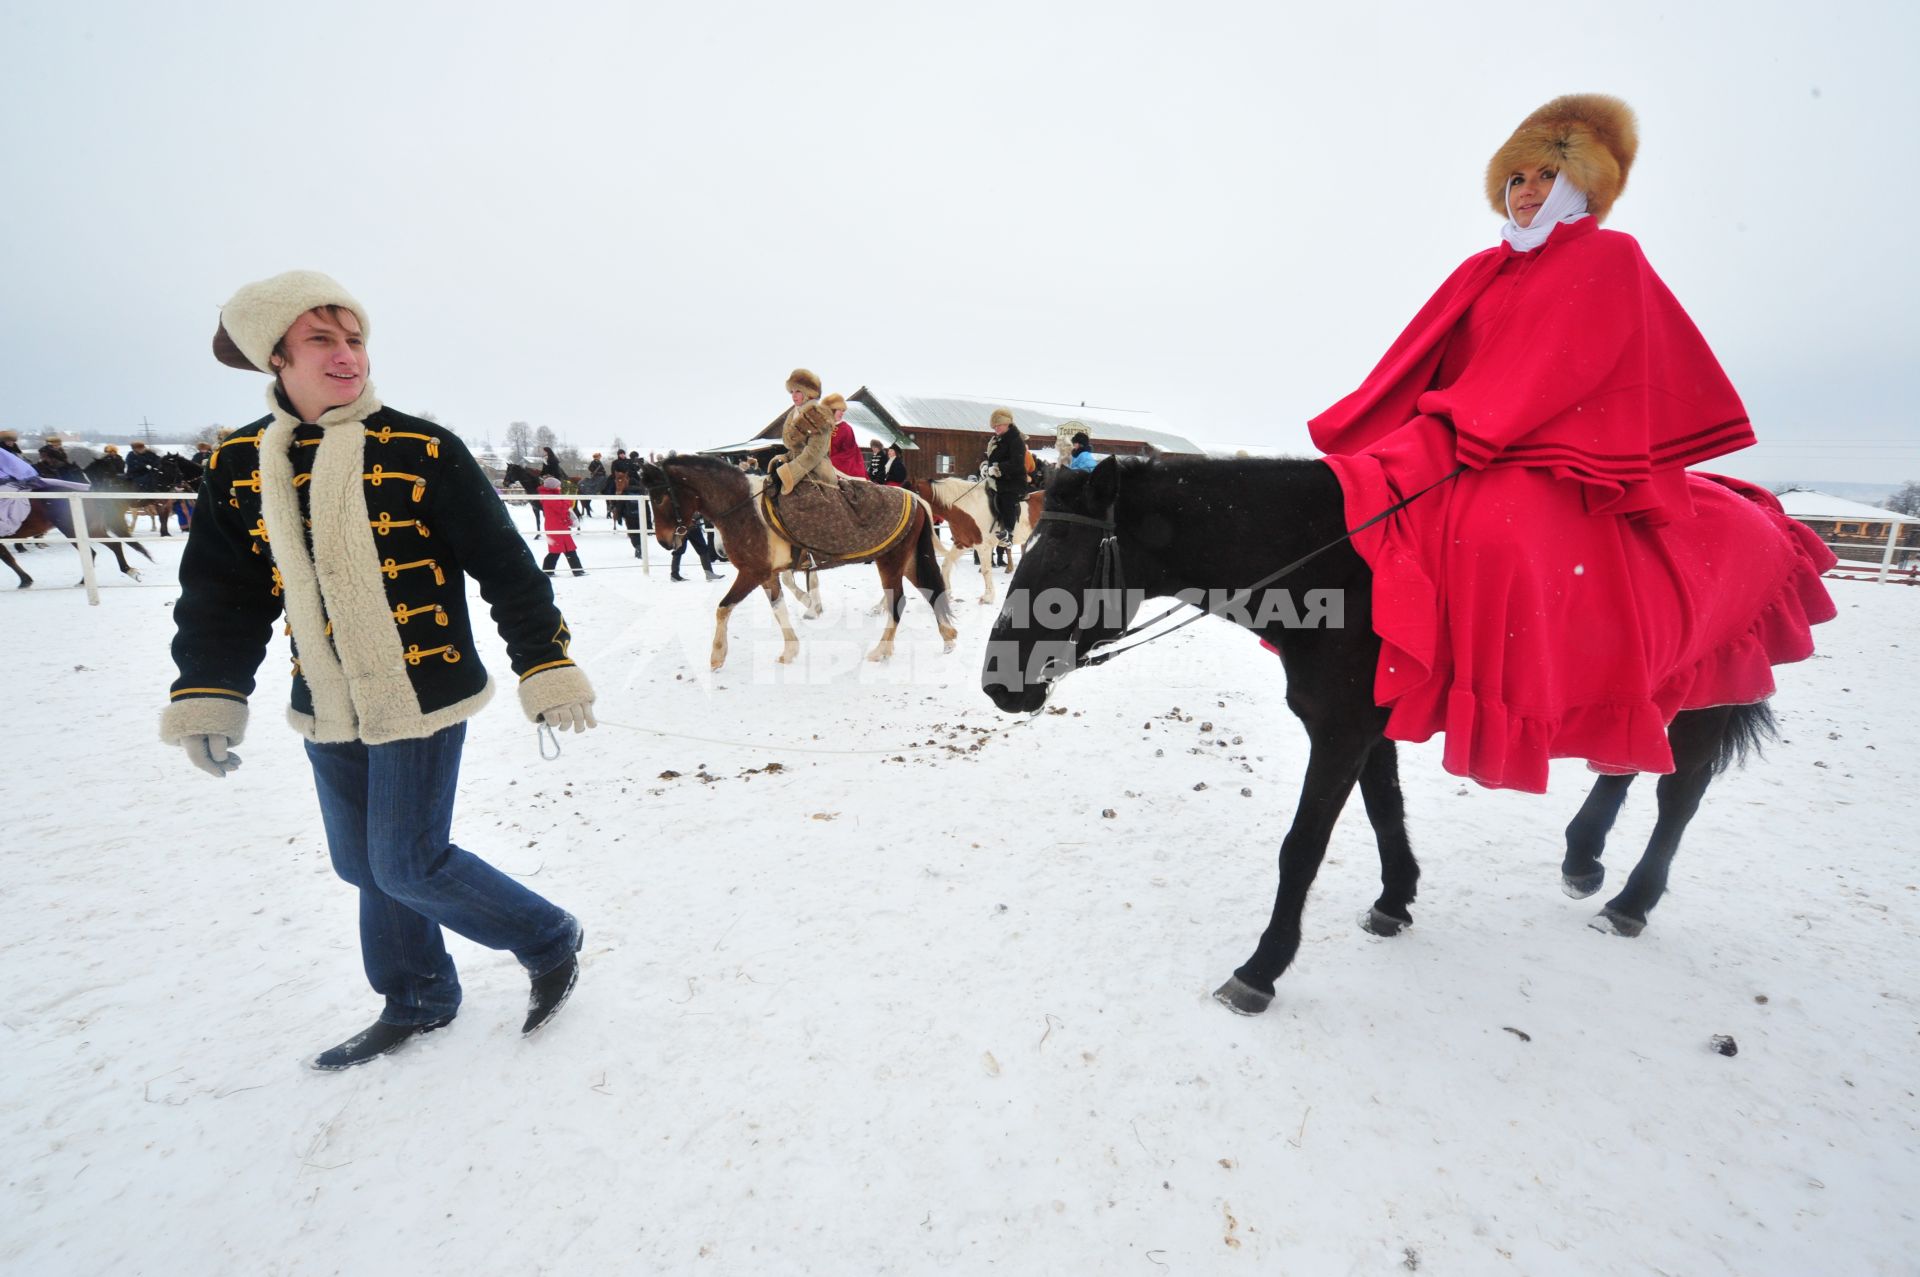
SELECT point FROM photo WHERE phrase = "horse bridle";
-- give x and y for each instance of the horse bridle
(1107, 574)
(673, 499)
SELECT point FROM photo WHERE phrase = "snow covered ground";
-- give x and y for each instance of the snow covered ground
(907, 1003)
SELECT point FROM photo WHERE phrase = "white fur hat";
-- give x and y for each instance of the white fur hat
(258, 316)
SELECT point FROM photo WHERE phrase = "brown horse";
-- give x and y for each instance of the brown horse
(683, 488)
(51, 515)
(962, 503)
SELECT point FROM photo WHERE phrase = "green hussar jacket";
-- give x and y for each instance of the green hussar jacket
(362, 528)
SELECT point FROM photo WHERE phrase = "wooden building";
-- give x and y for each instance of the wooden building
(1862, 536)
(941, 435)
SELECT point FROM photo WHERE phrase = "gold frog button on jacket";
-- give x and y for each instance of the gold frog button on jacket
(362, 527)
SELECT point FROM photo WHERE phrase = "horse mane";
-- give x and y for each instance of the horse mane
(713, 467)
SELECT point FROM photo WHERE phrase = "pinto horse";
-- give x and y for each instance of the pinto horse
(963, 504)
(681, 488)
(1161, 529)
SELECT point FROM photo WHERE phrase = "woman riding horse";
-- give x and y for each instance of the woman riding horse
(1567, 389)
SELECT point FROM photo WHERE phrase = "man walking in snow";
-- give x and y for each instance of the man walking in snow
(362, 523)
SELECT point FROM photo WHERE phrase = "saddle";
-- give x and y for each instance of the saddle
(846, 522)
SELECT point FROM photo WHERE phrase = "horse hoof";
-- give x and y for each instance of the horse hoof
(1613, 923)
(1241, 998)
(1580, 886)
(1378, 922)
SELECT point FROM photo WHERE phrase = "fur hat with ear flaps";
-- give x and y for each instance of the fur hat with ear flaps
(1000, 417)
(258, 316)
(834, 403)
(801, 379)
(1590, 137)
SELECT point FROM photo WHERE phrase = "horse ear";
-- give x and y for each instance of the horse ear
(1106, 482)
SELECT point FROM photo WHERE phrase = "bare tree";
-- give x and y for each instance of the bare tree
(1907, 500)
(519, 441)
(543, 438)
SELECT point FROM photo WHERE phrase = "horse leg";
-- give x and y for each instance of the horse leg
(1333, 765)
(1581, 873)
(790, 646)
(735, 592)
(896, 604)
(924, 563)
(14, 563)
(1387, 812)
(1695, 736)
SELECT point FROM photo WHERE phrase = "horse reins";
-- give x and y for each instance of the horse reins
(1109, 575)
(679, 518)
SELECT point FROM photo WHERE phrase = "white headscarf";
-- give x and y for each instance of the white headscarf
(1564, 203)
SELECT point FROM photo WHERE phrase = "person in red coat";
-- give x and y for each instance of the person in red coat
(556, 515)
(844, 451)
(1562, 587)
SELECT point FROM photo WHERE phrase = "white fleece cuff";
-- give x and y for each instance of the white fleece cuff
(204, 716)
(550, 689)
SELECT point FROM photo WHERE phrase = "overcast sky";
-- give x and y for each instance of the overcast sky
(633, 219)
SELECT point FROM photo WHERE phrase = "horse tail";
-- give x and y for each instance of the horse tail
(1748, 729)
(926, 571)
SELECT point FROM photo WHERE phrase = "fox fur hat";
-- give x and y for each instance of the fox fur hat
(1590, 137)
(258, 316)
(834, 402)
(1001, 417)
(801, 379)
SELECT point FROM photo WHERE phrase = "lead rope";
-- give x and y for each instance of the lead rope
(1248, 592)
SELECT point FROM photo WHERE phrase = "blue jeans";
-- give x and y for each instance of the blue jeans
(388, 810)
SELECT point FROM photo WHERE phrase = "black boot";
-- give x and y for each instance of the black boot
(376, 1040)
(550, 991)
(675, 576)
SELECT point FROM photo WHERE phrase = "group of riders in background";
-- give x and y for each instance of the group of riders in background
(155, 482)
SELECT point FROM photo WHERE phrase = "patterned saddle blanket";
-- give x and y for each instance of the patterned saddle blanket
(850, 521)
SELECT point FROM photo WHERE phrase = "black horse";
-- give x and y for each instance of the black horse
(1135, 530)
(518, 476)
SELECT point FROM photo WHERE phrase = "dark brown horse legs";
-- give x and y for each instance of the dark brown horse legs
(18, 571)
(1333, 767)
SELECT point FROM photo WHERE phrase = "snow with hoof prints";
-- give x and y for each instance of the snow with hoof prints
(874, 984)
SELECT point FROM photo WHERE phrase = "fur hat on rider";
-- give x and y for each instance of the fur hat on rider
(801, 379)
(834, 403)
(1001, 417)
(255, 319)
(1590, 137)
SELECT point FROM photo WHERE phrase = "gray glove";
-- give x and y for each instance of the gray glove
(578, 716)
(209, 754)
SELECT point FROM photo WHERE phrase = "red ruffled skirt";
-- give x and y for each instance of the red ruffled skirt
(1527, 629)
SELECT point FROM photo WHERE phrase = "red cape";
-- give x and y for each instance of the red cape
(1575, 588)
(1586, 367)
(844, 452)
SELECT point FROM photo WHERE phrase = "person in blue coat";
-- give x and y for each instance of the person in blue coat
(1082, 453)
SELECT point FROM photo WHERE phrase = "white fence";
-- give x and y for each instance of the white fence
(76, 508)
